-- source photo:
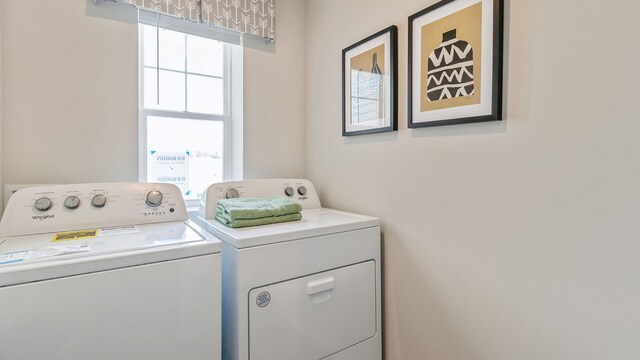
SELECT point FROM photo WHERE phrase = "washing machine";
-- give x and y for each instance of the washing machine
(303, 290)
(107, 271)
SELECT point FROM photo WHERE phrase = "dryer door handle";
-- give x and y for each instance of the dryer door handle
(322, 285)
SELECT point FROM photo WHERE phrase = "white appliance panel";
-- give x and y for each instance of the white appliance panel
(128, 238)
(316, 316)
(314, 222)
(148, 244)
(164, 311)
(107, 271)
(301, 191)
(307, 252)
(246, 269)
(121, 204)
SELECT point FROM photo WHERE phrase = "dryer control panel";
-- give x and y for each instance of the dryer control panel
(299, 190)
(56, 208)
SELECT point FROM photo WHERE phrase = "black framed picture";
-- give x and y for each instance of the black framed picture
(370, 84)
(455, 63)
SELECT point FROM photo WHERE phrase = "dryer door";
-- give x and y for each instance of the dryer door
(313, 317)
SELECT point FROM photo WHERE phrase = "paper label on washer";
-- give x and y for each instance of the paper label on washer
(119, 230)
(43, 252)
(75, 235)
(87, 234)
(15, 256)
(56, 250)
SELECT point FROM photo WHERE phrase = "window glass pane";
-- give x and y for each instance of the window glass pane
(171, 90)
(172, 50)
(204, 56)
(150, 89)
(185, 152)
(205, 95)
(150, 45)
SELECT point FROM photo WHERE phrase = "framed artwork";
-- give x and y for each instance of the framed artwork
(455, 63)
(370, 83)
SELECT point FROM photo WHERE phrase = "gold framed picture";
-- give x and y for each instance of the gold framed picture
(455, 63)
(369, 84)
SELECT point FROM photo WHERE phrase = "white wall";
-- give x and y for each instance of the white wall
(71, 94)
(274, 96)
(1, 111)
(503, 240)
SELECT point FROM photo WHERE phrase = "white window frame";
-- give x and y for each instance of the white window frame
(226, 118)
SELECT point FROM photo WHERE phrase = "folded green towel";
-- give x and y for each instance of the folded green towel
(256, 208)
(239, 223)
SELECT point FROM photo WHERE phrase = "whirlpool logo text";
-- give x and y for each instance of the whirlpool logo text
(43, 217)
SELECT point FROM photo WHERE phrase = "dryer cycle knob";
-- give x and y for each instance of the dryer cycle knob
(154, 198)
(72, 202)
(232, 194)
(302, 190)
(288, 191)
(43, 204)
(99, 201)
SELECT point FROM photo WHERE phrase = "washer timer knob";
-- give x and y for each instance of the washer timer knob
(302, 190)
(288, 191)
(99, 201)
(43, 204)
(72, 202)
(154, 198)
(232, 194)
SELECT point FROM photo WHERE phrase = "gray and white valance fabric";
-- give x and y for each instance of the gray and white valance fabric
(186, 9)
(256, 17)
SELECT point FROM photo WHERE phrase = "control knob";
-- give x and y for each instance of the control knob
(99, 201)
(43, 204)
(72, 202)
(154, 198)
(288, 191)
(232, 194)
(302, 190)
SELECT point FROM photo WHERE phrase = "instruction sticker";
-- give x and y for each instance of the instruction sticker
(75, 235)
(120, 230)
(15, 256)
(55, 250)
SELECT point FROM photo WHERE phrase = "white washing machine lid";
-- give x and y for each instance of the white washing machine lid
(315, 222)
(39, 257)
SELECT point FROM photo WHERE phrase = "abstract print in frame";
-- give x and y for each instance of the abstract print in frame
(369, 84)
(455, 63)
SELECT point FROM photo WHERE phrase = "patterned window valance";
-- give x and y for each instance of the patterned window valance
(186, 9)
(257, 17)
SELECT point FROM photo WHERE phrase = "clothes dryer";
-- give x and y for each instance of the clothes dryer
(303, 290)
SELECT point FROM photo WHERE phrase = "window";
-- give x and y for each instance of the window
(186, 103)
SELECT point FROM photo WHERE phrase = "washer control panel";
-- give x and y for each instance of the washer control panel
(56, 208)
(298, 190)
